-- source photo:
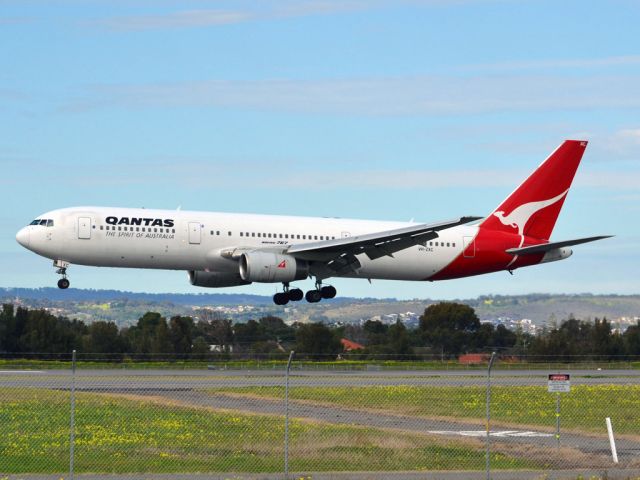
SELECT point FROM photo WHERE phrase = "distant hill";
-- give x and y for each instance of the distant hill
(82, 295)
(126, 307)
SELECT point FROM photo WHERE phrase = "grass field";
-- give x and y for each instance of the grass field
(584, 408)
(279, 363)
(123, 435)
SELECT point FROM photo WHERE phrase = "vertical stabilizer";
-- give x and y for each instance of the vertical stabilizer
(533, 208)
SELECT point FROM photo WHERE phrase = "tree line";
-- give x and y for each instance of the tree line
(445, 330)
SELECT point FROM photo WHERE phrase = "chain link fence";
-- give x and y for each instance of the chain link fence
(149, 419)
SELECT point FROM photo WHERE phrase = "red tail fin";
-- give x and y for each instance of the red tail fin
(533, 208)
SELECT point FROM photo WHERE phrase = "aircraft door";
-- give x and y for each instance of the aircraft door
(84, 228)
(195, 233)
(469, 247)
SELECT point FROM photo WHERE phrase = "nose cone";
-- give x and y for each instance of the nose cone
(22, 237)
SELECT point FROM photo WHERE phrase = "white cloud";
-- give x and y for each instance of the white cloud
(544, 64)
(182, 19)
(258, 11)
(418, 95)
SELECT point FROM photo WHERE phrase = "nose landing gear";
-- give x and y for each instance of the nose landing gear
(62, 266)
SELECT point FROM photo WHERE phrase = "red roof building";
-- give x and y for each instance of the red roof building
(348, 345)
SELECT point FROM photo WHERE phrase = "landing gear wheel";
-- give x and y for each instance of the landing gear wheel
(281, 298)
(328, 292)
(295, 295)
(63, 283)
(313, 296)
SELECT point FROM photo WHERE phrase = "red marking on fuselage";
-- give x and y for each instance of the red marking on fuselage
(282, 264)
(488, 255)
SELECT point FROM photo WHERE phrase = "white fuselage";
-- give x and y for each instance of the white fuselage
(187, 240)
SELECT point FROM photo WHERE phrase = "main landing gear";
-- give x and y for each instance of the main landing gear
(289, 295)
(312, 296)
(62, 266)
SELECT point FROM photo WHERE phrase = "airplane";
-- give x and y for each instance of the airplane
(226, 249)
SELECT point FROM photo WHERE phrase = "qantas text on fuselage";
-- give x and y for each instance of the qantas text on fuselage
(223, 250)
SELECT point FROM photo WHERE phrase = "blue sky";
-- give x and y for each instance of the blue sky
(386, 110)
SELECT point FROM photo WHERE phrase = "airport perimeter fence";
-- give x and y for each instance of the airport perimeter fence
(78, 421)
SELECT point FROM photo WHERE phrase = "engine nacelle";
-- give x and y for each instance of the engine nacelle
(200, 278)
(269, 267)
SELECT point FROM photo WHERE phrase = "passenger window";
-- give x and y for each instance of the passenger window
(453, 245)
(211, 232)
(280, 235)
(253, 234)
(241, 234)
(217, 232)
(229, 233)
(298, 237)
(155, 230)
(447, 244)
(304, 237)
(101, 227)
(315, 237)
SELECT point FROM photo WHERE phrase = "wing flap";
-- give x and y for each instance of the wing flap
(374, 245)
(546, 247)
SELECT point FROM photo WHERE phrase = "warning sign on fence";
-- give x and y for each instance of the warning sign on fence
(559, 383)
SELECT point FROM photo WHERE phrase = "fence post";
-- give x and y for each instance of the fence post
(286, 417)
(72, 433)
(488, 443)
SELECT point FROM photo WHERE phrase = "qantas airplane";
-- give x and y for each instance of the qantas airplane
(225, 250)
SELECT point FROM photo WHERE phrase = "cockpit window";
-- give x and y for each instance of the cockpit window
(45, 222)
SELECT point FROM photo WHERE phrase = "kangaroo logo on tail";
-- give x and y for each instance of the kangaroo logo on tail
(521, 215)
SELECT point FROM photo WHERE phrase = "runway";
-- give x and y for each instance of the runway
(197, 388)
(187, 378)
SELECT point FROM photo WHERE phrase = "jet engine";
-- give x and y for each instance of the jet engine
(269, 267)
(215, 279)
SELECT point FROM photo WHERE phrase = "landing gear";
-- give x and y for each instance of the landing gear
(328, 292)
(289, 295)
(314, 296)
(62, 266)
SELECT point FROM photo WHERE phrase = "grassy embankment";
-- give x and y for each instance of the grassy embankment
(280, 364)
(126, 435)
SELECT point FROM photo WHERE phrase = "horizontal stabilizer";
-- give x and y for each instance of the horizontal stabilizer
(546, 247)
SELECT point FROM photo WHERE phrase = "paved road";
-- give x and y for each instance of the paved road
(155, 379)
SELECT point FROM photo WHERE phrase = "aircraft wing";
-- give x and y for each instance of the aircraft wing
(340, 254)
(546, 247)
